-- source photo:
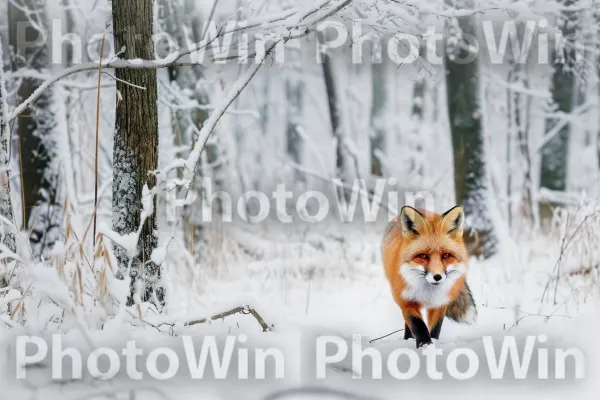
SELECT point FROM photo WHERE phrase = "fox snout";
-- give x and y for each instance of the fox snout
(435, 271)
(435, 278)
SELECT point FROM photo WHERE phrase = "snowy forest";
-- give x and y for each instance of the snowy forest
(228, 167)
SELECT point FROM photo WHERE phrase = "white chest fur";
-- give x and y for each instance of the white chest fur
(419, 290)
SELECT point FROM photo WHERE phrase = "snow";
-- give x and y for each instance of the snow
(128, 241)
(158, 255)
(303, 307)
(48, 283)
(303, 280)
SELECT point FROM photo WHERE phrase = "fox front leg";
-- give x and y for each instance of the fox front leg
(416, 325)
(435, 318)
(407, 333)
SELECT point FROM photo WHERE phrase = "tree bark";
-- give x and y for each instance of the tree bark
(35, 127)
(473, 187)
(135, 149)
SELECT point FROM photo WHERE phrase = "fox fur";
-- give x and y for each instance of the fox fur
(426, 261)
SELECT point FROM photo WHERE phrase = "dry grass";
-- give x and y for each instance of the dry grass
(98, 133)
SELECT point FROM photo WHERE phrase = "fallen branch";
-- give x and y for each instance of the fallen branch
(238, 310)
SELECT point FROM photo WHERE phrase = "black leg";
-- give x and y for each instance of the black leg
(437, 329)
(420, 331)
(407, 333)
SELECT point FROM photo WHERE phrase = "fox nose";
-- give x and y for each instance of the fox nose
(437, 277)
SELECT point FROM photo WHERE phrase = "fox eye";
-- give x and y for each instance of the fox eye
(423, 256)
(446, 256)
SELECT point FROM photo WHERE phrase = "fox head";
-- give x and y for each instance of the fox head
(433, 249)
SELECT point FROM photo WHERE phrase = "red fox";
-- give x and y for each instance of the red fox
(425, 261)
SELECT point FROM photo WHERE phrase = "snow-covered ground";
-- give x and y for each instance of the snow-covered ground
(330, 285)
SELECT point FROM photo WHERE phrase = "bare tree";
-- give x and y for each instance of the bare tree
(553, 174)
(36, 125)
(417, 118)
(294, 92)
(135, 149)
(346, 163)
(518, 140)
(378, 116)
(473, 187)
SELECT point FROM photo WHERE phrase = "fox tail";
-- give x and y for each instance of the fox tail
(463, 308)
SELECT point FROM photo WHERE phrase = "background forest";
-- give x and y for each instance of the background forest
(119, 121)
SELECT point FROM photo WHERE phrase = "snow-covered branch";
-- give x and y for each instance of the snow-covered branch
(275, 39)
(266, 23)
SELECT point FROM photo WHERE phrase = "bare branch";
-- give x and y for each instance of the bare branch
(171, 60)
(237, 310)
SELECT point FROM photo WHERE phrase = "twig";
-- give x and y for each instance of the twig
(210, 17)
(527, 315)
(23, 227)
(124, 81)
(563, 249)
(383, 337)
(97, 138)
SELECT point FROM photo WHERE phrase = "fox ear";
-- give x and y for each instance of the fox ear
(413, 223)
(453, 221)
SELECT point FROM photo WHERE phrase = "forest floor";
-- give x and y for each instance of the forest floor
(326, 286)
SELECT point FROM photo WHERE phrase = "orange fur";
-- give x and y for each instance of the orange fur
(439, 238)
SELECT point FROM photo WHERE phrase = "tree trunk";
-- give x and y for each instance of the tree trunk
(294, 93)
(337, 114)
(417, 163)
(519, 105)
(36, 125)
(378, 117)
(7, 234)
(473, 188)
(553, 174)
(135, 150)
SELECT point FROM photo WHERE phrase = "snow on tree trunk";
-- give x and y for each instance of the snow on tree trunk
(36, 128)
(472, 183)
(135, 149)
(7, 234)
(553, 174)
